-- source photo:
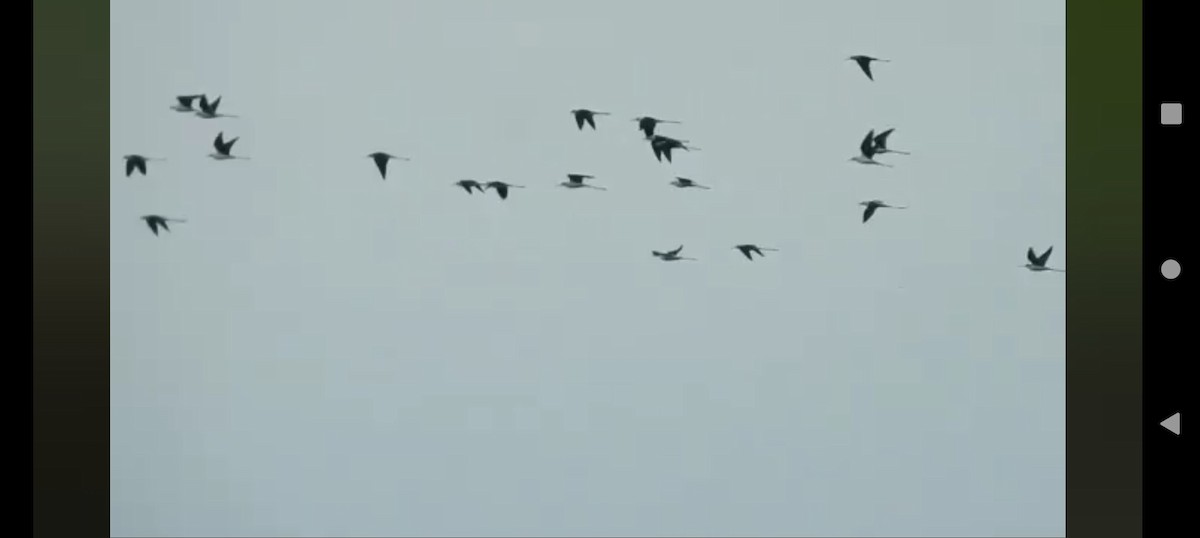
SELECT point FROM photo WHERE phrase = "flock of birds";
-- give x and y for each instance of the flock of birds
(661, 145)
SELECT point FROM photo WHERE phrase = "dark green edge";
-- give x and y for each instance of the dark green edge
(1104, 259)
(71, 269)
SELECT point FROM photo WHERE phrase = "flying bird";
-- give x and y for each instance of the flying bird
(223, 147)
(575, 181)
(1038, 263)
(468, 184)
(662, 146)
(683, 183)
(671, 255)
(868, 151)
(749, 250)
(501, 188)
(583, 115)
(209, 110)
(155, 221)
(184, 103)
(381, 160)
(137, 162)
(881, 143)
(647, 124)
(873, 205)
(864, 62)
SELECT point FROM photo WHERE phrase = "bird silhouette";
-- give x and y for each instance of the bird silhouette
(749, 250)
(864, 63)
(137, 162)
(583, 115)
(671, 255)
(157, 221)
(647, 124)
(685, 183)
(381, 160)
(468, 184)
(575, 181)
(501, 188)
(1038, 263)
(872, 206)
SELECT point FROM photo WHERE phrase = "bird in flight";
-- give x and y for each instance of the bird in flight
(184, 103)
(583, 115)
(501, 188)
(684, 183)
(223, 147)
(873, 205)
(156, 221)
(209, 110)
(468, 184)
(671, 255)
(381, 160)
(647, 124)
(1038, 263)
(662, 146)
(881, 143)
(137, 162)
(575, 181)
(864, 62)
(749, 250)
(868, 151)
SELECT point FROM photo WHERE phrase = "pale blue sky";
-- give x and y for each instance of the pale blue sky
(318, 352)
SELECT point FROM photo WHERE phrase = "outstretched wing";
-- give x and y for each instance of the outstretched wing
(1031, 256)
(1045, 257)
(870, 211)
(219, 143)
(676, 251)
(591, 121)
(865, 64)
(502, 190)
(867, 147)
(381, 163)
(881, 138)
(579, 120)
(746, 253)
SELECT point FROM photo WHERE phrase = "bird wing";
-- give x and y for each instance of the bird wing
(1045, 257)
(881, 138)
(865, 64)
(579, 120)
(869, 211)
(185, 100)
(215, 104)
(590, 121)
(381, 163)
(1031, 256)
(676, 251)
(140, 164)
(666, 151)
(746, 253)
(153, 225)
(219, 143)
(684, 181)
(502, 190)
(130, 164)
(204, 103)
(867, 147)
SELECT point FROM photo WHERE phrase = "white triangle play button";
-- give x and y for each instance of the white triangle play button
(1172, 423)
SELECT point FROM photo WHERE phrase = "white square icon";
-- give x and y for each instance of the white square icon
(1171, 114)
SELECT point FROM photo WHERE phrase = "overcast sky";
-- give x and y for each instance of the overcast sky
(319, 352)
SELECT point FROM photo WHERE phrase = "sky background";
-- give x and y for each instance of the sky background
(319, 352)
